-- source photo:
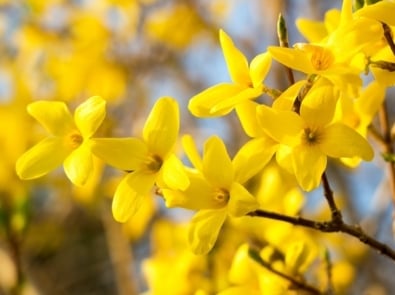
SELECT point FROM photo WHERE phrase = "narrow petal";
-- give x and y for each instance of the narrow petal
(198, 195)
(191, 151)
(217, 166)
(283, 126)
(246, 112)
(313, 31)
(78, 165)
(172, 174)
(343, 141)
(259, 68)
(382, 11)
(204, 229)
(286, 100)
(161, 128)
(370, 101)
(123, 153)
(318, 107)
(202, 105)
(54, 116)
(130, 194)
(89, 115)
(309, 165)
(292, 58)
(252, 157)
(241, 201)
(45, 156)
(231, 102)
(235, 60)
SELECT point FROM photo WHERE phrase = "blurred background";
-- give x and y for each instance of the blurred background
(59, 239)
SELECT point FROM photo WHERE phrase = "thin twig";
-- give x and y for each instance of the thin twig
(328, 262)
(328, 193)
(388, 37)
(329, 227)
(282, 34)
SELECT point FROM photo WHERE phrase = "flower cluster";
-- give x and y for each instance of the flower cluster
(326, 115)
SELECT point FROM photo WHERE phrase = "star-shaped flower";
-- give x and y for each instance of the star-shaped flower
(69, 140)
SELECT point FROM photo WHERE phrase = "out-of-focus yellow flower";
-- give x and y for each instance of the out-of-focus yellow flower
(176, 26)
(69, 140)
(359, 113)
(149, 160)
(220, 99)
(187, 271)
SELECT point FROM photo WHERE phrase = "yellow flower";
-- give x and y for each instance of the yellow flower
(69, 140)
(215, 190)
(247, 81)
(149, 160)
(337, 57)
(312, 136)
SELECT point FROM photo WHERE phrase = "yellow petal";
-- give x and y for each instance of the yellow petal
(343, 141)
(198, 195)
(313, 31)
(53, 115)
(286, 100)
(191, 151)
(292, 58)
(123, 153)
(309, 165)
(217, 166)
(241, 201)
(231, 102)
(252, 157)
(246, 112)
(235, 60)
(89, 115)
(204, 229)
(45, 156)
(318, 107)
(78, 165)
(259, 68)
(370, 101)
(173, 174)
(130, 193)
(161, 127)
(283, 126)
(382, 11)
(202, 105)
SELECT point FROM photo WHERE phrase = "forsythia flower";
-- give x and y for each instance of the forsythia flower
(148, 160)
(220, 99)
(69, 142)
(216, 190)
(312, 136)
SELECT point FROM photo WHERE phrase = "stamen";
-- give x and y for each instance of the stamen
(153, 163)
(221, 196)
(74, 139)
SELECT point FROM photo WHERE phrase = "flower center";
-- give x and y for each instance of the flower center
(311, 137)
(153, 163)
(321, 58)
(221, 196)
(74, 139)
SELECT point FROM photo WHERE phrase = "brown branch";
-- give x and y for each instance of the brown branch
(328, 193)
(329, 227)
(295, 283)
(388, 37)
